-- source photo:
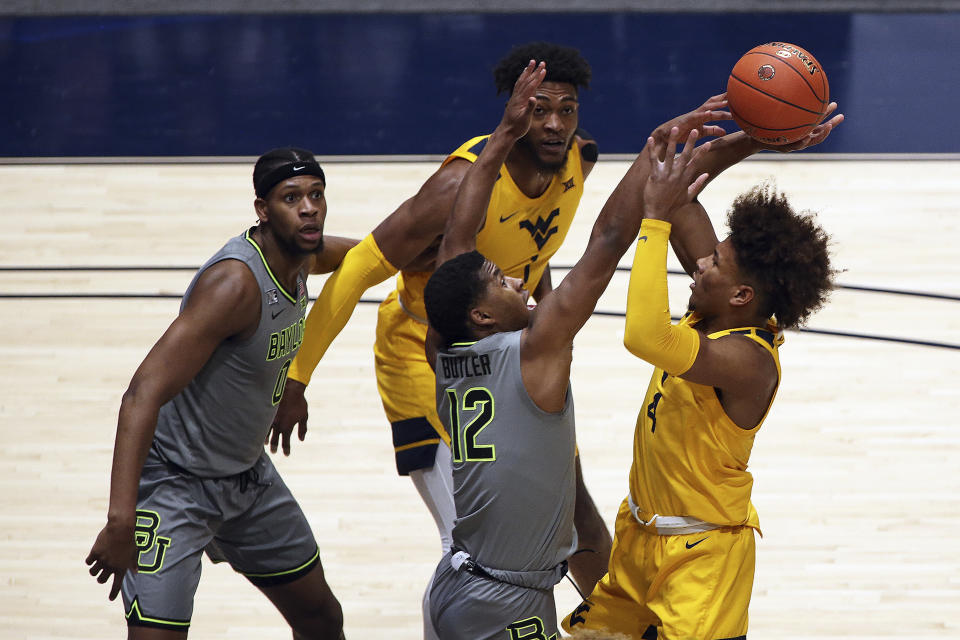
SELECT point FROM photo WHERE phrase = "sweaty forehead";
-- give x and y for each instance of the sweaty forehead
(557, 91)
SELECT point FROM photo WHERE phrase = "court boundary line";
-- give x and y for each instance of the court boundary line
(621, 268)
(377, 301)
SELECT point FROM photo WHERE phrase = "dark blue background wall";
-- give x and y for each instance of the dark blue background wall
(419, 84)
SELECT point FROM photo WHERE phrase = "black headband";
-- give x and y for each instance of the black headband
(288, 170)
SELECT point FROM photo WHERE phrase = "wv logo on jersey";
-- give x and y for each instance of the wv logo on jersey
(152, 547)
(541, 230)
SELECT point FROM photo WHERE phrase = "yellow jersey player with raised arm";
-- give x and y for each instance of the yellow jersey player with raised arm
(520, 232)
(533, 204)
(683, 558)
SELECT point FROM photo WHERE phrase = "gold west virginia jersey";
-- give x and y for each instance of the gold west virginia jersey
(689, 458)
(520, 234)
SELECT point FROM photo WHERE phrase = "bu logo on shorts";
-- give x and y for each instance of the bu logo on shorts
(529, 629)
(151, 546)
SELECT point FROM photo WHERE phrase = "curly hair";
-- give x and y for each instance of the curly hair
(782, 253)
(451, 291)
(564, 64)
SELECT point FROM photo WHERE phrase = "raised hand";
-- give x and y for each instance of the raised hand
(709, 111)
(518, 114)
(673, 180)
(815, 137)
(292, 410)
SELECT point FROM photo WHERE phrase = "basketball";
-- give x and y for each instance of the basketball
(777, 93)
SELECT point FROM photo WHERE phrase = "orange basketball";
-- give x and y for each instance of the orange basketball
(777, 92)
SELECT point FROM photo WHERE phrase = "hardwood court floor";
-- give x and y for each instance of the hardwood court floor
(856, 468)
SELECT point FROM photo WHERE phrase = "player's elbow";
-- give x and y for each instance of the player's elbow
(646, 340)
(634, 342)
(140, 396)
(132, 394)
(611, 239)
(670, 348)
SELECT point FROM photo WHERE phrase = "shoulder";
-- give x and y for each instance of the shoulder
(756, 364)
(224, 301)
(469, 150)
(229, 285)
(442, 186)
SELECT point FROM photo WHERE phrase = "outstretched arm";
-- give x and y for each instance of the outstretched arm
(618, 223)
(556, 321)
(363, 267)
(334, 250)
(473, 198)
(732, 364)
(672, 183)
(393, 244)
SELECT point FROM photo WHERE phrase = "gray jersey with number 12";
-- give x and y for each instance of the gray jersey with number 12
(513, 463)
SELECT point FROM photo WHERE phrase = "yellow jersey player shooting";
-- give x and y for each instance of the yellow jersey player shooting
(683, 558)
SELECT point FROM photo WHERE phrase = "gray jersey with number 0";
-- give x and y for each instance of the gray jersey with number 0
(216, 426)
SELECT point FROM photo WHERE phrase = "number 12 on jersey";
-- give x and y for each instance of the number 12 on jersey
(463, 441)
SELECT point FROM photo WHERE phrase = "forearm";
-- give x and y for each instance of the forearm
(650, 333)
(363, 267)
(725, 152)
(619, 219)
(613, 232)
(135, 428)
(693, 235)
(473, 197)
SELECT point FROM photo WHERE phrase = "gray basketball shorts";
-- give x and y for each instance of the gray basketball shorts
(250, 520)
(464, 606)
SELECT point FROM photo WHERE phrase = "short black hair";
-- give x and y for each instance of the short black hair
(564, 64)
(782, 253)
(272, 160)
(453, 288)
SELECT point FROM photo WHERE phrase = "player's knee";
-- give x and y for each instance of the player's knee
(323, 622)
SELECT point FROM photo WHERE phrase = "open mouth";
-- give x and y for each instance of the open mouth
(311, 233)
(553, 146)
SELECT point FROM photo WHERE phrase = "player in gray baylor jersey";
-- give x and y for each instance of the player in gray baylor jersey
(190, 474)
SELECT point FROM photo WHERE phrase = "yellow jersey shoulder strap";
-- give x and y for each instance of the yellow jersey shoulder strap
(469, 150)
(770, 338)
